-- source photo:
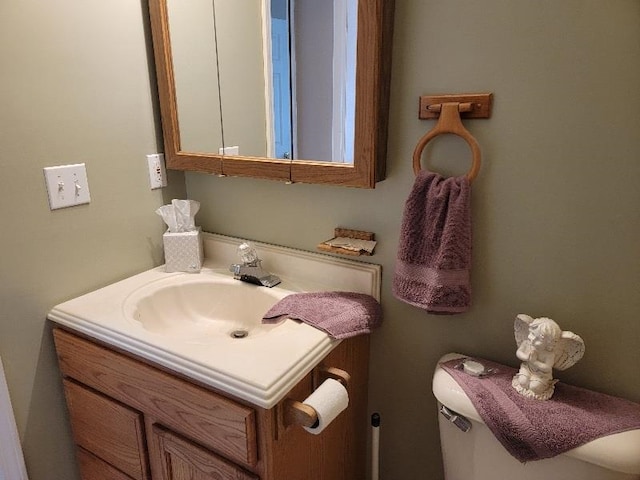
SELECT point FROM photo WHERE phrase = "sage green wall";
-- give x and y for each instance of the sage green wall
(555, 208)
(74, 87)
(556, 218)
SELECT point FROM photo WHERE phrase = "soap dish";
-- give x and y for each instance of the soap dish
(349, 242)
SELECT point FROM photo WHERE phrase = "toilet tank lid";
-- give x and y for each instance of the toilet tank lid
(619, 452)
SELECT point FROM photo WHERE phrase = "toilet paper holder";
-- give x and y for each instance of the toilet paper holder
(298, 413)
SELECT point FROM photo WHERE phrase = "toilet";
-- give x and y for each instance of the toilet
(475, 454)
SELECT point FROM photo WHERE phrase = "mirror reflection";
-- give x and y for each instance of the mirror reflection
(265, 78)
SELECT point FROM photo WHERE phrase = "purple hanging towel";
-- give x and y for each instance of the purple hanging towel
(434, 252)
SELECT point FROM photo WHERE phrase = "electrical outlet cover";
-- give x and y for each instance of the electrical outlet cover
(157, 171)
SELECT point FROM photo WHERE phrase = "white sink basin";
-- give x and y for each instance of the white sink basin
(186, 322)
(200, 309)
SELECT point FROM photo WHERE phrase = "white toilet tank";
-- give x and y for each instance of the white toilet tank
(478, 455)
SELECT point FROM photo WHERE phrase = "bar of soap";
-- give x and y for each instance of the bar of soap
(473, 368)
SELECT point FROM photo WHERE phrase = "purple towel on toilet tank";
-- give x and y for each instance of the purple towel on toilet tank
(434, 250)
(537, 429)
(340, 314)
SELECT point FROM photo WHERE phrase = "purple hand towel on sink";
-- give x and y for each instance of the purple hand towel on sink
(339, 314)
(434, 250)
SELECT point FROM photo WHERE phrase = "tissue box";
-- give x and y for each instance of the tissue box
(183, 251)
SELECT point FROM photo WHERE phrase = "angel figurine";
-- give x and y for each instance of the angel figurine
(542, 346)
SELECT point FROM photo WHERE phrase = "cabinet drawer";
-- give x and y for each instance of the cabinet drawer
(107, 429)
(210, 419)
(92, 468)
(183, 460)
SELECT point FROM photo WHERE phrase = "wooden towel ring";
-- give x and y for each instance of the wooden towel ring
(449, 122)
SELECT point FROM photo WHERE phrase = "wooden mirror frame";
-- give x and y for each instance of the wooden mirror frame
(373, 72)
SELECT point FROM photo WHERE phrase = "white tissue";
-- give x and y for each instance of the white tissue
(180, 215)
(329, 400)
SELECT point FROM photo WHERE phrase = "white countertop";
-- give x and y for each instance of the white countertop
(256, 371)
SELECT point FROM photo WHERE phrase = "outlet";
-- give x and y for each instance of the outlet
(235, 150)
(157, 171)
(67, 185)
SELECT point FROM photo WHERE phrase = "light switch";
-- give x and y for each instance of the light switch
(67, 185)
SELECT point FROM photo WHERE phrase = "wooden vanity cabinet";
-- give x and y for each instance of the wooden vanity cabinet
(133, 420)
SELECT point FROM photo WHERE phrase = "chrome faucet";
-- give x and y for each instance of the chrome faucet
(250, 270)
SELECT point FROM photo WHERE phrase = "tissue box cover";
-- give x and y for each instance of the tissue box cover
(183, 251)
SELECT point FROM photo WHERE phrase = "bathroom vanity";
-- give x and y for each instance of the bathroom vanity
(159, 385)
(135, 420)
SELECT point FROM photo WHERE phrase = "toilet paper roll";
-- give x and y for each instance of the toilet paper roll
(328, 401)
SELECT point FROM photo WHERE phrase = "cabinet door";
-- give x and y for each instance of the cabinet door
(92, 468)
(183, 460)
(107, 429)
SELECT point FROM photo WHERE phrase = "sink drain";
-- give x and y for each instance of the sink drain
(239, 333)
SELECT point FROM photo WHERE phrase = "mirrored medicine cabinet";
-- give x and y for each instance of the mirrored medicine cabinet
(289, 90)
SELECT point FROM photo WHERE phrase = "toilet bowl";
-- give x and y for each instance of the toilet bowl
(475, 454)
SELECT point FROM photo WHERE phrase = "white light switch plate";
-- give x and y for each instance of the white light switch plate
(67, 185)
